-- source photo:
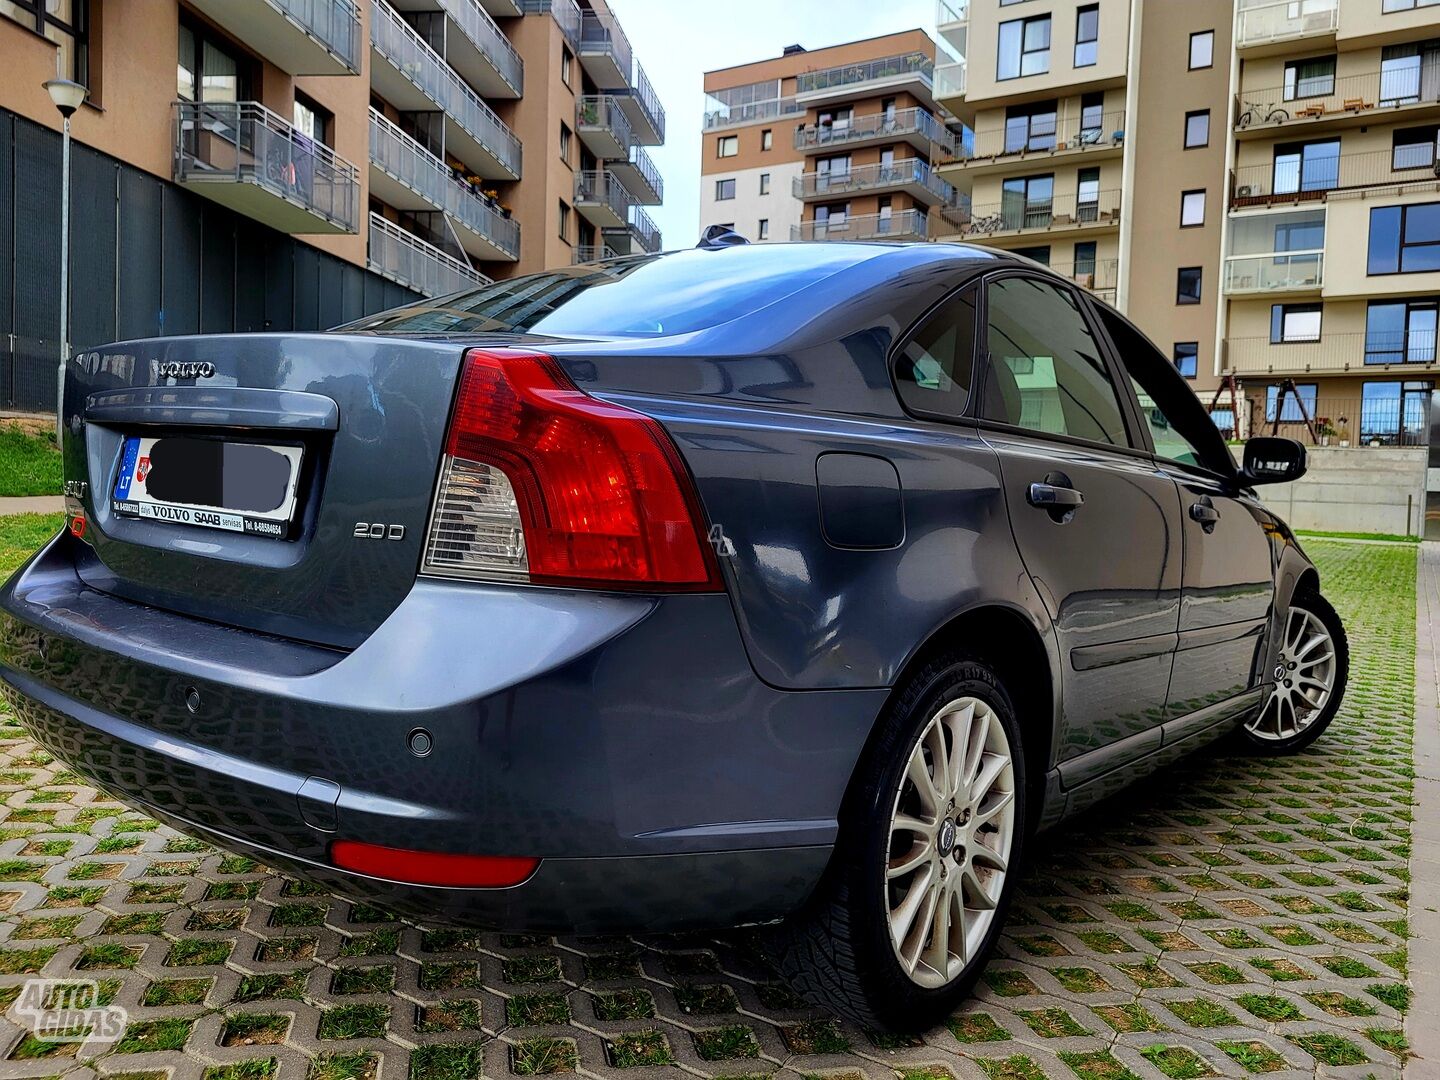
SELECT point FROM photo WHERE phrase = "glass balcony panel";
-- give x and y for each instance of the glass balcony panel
(403, 257)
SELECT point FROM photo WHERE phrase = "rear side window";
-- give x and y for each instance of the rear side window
(1046, 370)
(934, 371)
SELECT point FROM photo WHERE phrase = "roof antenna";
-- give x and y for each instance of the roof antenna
(717, 237)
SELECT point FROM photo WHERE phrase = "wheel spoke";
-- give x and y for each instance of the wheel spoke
(1314, 642)
(977, 896)
(1324, 658)
(979, 735)
(984, 856)
(990, 808)
(961, 724)
(992, 765)
(937, 953)
(919, 776)
(939, 762)
(902, 918)
(909, 862)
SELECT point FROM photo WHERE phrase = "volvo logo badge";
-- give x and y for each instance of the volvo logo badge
(946, 840)
(175, 369)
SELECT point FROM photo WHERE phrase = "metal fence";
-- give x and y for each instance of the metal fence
(1397, 416)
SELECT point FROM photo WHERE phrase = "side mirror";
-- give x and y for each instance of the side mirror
(1273, 461)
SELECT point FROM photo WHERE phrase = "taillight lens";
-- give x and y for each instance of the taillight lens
(542, 483)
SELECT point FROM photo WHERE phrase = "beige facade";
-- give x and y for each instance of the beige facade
(434, 142)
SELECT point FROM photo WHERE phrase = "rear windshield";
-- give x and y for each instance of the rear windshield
(676, 293)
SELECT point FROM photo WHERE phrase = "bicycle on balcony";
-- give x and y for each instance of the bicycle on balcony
(1256, 113)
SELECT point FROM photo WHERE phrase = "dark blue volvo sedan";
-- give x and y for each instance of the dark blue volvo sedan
(795, 585)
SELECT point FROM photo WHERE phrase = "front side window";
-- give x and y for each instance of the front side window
(1404, 239)
(1087, 35)
(1187, 358)
(1202, 49)
(1304, 395)
(1024, 48)
(1313, 166)
(1197, 129)
(1192, 209)
(1047, 373)
(1310, 78)
(1291, 323)
(934, 370)
(724, 189)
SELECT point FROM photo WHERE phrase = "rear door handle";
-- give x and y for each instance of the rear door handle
(1205, 513)
(1056, 497)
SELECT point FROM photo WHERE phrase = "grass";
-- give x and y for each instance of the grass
(1322, 535)
(29, 459)
(21, 535)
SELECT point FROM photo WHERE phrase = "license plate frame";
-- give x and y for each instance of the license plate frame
(130, 498)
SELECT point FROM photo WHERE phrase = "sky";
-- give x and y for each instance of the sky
(677, 41)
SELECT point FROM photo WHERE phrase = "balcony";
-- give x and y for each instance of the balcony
(642, 105)
(605, 51)
(588, 253)
(640, 175)
(1274, 272)
(403, 257)
(602, 199)
(242, 155)
(565, 12)
(720, 114)
(950, 83)
(906, 225)
(1100, 277)
(916, 126)
(1335, 354)
(640, 237)
(503, 8)
(479, 51)
(952, 22)
(603, 126)
(1062, 214)
(997, 148)
(411, 75)
(1274, 184)
(1350, 101)
(912, 72)
(911, 175)
(408, 177)
(1263, 26)
(301, 37)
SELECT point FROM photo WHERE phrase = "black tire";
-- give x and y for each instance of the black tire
(1318, 606)
(836, 952)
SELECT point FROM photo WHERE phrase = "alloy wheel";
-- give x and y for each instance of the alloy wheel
(1304, 679)
(951, 831)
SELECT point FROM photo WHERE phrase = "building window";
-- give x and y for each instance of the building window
(1187, 358)
(312, 121)
(1202, 50)
(763, 232)
(1291, 323)
(767, 139)
(764, 183)
(1030, 127)
(1404, 239)
(1414, 148)
(1024, 48)
(1087, 35)
(1087, 195)
(727, 146)
(724, 189)
(1085, 258)
(1310, 78)
(565, 139)
(207, 71)
(1401, 332)
(1395, 413)
(1187, 285)
(1197, 129)
(1387, 6)
(1192, 209)
(1290, 412)
(564, 221)
(67, 24)
(1400, 73)
(567, 65)
(1092, 119)
(1028, 202)
(1313, 166)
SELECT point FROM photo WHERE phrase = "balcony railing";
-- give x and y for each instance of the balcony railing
(273, 28)
(566, 13)
(855, 75)
(602, 35)
(646, 232)
(754, 113)
(648, 98)
(897, 125)
(602, 113)
(336, 23)
(906, 225)
(242, 142)
(1276, 271)
(402, 256)
(1100, 277)
(1263, 21)
(601, 188)
(1093, 132)
(478, 25)
(647, 172)
(1402, 419)
(1361, 352)
(404, 159)
(948, 12)
(1329, 97)
(412, 56)
(950, 80)
(586, 253)
(903, 173)
(1060, 212)
(1291, 182)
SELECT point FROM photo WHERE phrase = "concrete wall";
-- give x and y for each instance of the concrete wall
(1357, 489)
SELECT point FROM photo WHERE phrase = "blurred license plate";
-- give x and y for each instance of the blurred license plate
(240, 487)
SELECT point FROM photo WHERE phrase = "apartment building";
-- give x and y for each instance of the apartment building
(293, 164)
(839, 143)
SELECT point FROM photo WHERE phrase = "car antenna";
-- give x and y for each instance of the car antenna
(717, 237)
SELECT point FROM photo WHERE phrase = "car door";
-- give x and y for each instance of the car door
(1096, 522)
(1228, 582)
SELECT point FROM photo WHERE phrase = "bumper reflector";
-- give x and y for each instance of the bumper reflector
(432, 867)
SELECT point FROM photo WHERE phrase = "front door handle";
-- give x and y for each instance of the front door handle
(1205, 513)
(1056, 496)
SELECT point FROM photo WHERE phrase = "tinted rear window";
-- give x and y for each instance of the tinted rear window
(677, 293)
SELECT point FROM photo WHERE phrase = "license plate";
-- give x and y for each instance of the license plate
(210, 483)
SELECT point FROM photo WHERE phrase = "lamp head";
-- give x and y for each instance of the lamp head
(67, 95)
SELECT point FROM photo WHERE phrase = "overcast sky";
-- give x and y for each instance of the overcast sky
(679, 40)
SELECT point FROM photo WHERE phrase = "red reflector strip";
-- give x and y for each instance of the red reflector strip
(432, 867)
(77, 526)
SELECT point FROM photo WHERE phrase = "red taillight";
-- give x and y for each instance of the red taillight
(544, 483)
(432, 867)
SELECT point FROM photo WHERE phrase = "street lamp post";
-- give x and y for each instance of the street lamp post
(67, 96)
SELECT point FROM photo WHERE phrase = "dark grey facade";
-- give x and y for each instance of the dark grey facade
(147, 259)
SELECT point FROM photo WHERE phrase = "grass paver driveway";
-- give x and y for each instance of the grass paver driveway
(1234, 916)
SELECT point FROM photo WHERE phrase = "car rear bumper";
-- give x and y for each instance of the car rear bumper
(623, 740)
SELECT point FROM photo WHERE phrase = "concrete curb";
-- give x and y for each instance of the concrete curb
(1420, 1026)
(33, 504)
